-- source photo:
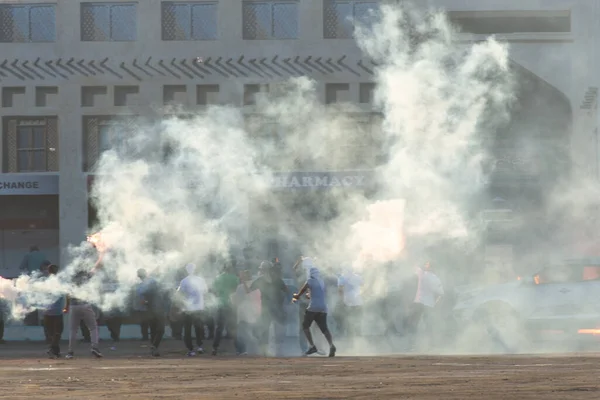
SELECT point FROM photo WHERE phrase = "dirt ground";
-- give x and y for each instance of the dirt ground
(129, 373)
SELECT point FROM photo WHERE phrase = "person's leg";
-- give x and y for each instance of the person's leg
(240, 337)
(301, 336)
(321, 320)
(187, 331)
(85, 332)
(157, 324)
(49, 332)
(144, 328)
(220, 326)
(209, 320)
(306, 323)
(75, 319)
(198, 322)
(279, 331)
(60, 327)
(1, 324)
(89, 317)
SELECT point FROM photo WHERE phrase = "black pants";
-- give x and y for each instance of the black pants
(144, 327)
(193, 319)
(156, 323)
(1, 327)
(54, 326)
(113, 323)
(225, 318)
(319, 318)
(209, 320)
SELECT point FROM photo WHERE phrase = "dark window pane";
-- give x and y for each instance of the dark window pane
(257, 20)
(23, 160)
(176, 21)
(20, 24)
(43, 23)
(24, 138)
(39, 141)
(285, 21)
(39, 160)
(204, 21)
(123, 26)
(338, 19)
(95, 23)
(104, 139)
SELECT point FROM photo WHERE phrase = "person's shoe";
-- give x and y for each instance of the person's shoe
(242, 354)
(200, 350)
(191, 353)
(154, 352)
(332, 351)
(96, 352)
(311, 350)
(70, 355)
(214, 352)
(113, 348)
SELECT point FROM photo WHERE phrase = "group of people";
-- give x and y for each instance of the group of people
(248, 309)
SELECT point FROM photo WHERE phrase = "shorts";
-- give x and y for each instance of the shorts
(319, 317)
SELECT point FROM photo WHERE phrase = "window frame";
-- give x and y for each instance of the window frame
(272, 4)
(190, 5)
(109, 5)
(29, 7)
(330, 3)
(30, 151)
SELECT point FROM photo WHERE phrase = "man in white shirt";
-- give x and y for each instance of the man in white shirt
(429, 291)
(192, 290)
(349, 288)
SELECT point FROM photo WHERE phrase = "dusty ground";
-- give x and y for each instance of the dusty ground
(129, 373)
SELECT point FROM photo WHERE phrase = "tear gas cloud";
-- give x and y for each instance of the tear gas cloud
(440, 102)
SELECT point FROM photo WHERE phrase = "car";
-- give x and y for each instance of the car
(562, 297)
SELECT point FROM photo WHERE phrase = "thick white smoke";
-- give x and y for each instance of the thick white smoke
(439, 101)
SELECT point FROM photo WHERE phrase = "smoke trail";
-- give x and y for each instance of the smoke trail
(181, 190)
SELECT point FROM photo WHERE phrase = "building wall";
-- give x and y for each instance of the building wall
(79, 82)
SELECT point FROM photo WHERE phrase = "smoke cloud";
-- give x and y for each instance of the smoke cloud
(186, 189)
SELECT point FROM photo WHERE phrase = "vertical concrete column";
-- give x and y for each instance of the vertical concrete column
(72, 181)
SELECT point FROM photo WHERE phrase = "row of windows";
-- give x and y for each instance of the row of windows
(31, 144)
(197, 20)
(261, 20)
(208, 94)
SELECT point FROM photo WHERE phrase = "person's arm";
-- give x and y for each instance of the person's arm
(296, 296)
(67, 304)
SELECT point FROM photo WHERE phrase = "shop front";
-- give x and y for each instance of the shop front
(29, 215)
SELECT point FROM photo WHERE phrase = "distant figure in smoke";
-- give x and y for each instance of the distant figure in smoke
(81, 310)
(316, 310)
(53, 320)
(224, 286)
(429, 291)
(153, 312)
(192, 290)
(301, 269)
(248, 312)
(33, 261)
(272, 297)
(349, 287)
(113, 318)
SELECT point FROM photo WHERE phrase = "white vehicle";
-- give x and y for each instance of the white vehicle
(563, 298)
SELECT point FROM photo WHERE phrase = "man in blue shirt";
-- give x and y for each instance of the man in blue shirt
(316, 310)
(53, 319)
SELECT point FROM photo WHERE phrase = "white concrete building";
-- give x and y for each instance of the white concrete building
(69, 67)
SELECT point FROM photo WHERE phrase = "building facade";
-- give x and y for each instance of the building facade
(69, 69)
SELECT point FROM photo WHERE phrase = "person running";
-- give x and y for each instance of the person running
(224, 286)
(81, 310)
(153, 312)
(53, 320)
(192, 290)
(316, 310)
(247, 311)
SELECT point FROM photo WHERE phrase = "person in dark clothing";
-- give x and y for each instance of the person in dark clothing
(273, 292)
(224, 286)
(53, 320)
(2, 316)
(151, 299)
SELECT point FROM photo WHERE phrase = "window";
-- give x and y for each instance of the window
(30, 144)
(108, 137)
(31, 148)
(365, 93)
(108, 22)
(103, 133)
(207, 95)
(340, 16)
(491, 22)
(337, 93)
(270, 20)
(27, 23)
(189, 20)
(251, 91)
